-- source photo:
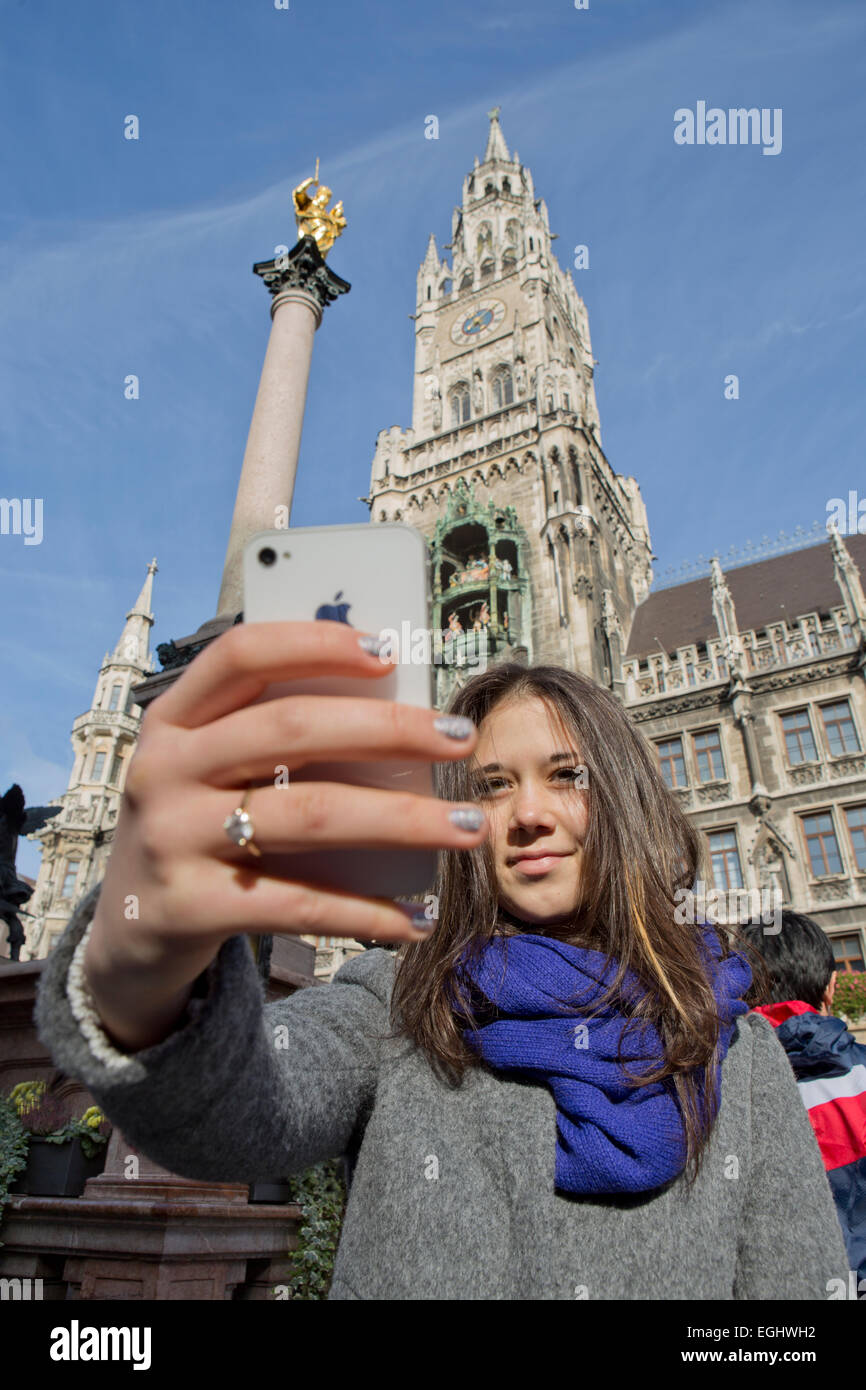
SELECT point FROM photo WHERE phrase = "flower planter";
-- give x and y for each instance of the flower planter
(57, 1170)
(276, 1190)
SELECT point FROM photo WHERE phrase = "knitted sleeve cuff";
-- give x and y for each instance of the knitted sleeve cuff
(83, 1007)
(84, 1010)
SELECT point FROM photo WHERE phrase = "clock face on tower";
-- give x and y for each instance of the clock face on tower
(479, 322)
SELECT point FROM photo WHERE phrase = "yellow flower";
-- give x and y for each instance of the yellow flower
(27, 1095)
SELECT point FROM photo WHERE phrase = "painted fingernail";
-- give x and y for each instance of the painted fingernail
(467, 818)
(454, 726)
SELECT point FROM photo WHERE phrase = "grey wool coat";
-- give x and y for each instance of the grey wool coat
(453, 1195)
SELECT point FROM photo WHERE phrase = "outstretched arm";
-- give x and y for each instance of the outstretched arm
(240, 1090)
(300, 196)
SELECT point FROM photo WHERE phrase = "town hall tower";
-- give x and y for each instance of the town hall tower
(531, 533)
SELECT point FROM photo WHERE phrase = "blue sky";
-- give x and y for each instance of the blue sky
(135, 257)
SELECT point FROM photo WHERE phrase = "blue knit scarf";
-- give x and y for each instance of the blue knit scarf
(611, 1136)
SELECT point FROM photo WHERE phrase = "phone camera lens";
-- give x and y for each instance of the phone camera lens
(267, 556)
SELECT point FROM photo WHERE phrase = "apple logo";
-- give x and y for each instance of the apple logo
(335, 612)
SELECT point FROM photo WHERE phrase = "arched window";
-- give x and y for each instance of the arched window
(484, 244)
(509, 260)
(506, 185)
(446, 287)
(531, 244)
(461, 405)
(428, 291)
(503, 388)
(489, 188)
(70, 878)
(575, 474)
(514, 236)
(487, 269)
(466, 282)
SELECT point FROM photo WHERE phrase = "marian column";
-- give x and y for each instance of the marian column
(301, 285)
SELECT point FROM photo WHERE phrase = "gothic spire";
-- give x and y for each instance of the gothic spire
(725, 615)
(132, 645)
(847, 576)
(431, 260)
(723, 603)
(496, 146)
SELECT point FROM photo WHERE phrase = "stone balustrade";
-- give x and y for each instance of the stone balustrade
(772, 648)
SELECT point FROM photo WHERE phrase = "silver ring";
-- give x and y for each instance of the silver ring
(240, 828)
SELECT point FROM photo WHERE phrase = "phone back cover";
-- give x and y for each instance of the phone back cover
(374, 578)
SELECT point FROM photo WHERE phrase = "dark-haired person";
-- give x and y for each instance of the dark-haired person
(555, 1093)
(829, 1064)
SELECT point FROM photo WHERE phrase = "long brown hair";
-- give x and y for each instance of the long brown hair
(639, 849)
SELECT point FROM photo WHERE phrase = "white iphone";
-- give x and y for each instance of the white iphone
(375, 578)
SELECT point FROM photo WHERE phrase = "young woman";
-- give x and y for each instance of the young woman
(555, 1093)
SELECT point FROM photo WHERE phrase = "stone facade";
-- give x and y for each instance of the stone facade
(76, 843)
(760, 726)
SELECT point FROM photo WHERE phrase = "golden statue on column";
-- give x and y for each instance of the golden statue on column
(313, 216)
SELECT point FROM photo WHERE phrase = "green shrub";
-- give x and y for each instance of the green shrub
(14, 1143)
(320, 1192)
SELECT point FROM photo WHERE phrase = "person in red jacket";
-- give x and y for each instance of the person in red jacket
(830, 1066)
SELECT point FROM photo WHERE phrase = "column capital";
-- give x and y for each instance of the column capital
(302, 274)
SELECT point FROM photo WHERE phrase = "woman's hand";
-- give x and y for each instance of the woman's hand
(176, 888)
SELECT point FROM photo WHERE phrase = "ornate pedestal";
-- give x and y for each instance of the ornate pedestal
(152, 1236)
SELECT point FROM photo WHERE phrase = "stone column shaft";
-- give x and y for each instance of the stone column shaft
(301, 285)
(270, 463)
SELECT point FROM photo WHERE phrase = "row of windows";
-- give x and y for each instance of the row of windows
(839, 733)
(97, 768)
(822, 847)
(707, 752)
(461, 399)
(490, 186)
(114, 699)
(503, 394)
(487, 272)
(70, 878)
(820, 838)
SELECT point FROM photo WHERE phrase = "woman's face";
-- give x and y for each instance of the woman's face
(536, 807)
